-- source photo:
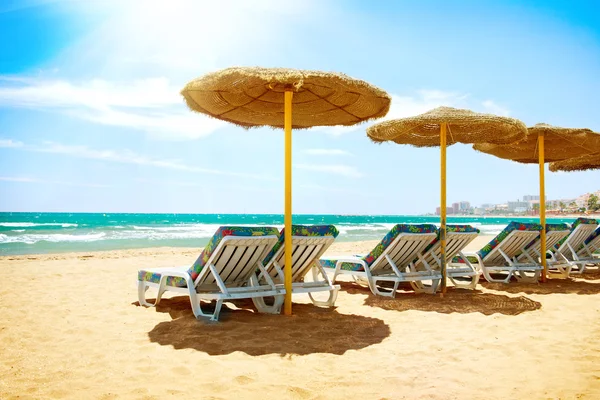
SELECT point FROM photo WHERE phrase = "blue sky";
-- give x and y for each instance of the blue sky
(91, 118)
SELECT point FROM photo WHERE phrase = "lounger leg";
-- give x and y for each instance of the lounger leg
(375, 290)
(472, 284)
(260, 303)
(333, 292)
(263, 307)
(489, 278)
(142, 288)
(215, 316)
(562, 270)
(330, 302)
(523, 277)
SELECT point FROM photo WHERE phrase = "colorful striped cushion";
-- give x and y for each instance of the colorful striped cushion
(512, 226)
(302, 230)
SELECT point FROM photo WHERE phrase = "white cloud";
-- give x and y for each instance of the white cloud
(150, 105)
(51, 182)
(491, 107)
(343, 170)
(423, 101)
(10, 143)
(132, 45)
(16, 179)
(327, 152)
(179, 37)
(129, 157)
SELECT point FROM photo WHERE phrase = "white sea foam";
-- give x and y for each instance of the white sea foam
(30, 224)
(53, 238)
(191, 231)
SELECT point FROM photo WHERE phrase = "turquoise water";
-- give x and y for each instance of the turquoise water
(35, 233)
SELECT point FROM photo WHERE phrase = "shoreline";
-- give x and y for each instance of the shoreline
(476, 244)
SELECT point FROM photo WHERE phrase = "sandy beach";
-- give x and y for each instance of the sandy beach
(70, 328)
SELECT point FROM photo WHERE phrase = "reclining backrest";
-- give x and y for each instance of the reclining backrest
(457, 238)
(581, 230)
(511, 240)
(402, 244)
(234, 251)
(309, 242)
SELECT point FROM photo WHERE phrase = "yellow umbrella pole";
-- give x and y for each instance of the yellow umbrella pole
(542, 204)
(287, 307)
(443, 206)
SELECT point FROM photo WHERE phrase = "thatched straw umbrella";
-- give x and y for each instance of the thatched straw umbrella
(429, 130)
(254, 97)
(583, 163)
(546, 143)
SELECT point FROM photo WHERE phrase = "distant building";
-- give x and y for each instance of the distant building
(517, 206)
(531, 198)
(582, 201)
(449, 210)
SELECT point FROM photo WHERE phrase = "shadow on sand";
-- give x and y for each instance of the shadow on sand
(573, 285)
(310, 330)
(463, 301)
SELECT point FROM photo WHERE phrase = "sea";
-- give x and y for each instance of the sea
(40, 233)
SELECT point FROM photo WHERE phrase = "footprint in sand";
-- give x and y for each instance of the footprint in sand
(181, 370)
(298, 393)
(243, 379)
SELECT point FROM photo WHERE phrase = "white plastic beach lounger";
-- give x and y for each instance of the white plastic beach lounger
(571, 256)
(222, 271)
(591, 248)
(390, 259)
(502, 253)
(554, 234)
(457, 238)
(308, 245)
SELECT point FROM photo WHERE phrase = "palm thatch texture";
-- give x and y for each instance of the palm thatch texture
(253, 97)
(559, 144)
(464, 126)
(583, 163)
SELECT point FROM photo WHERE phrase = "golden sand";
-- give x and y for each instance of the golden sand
(70, 327)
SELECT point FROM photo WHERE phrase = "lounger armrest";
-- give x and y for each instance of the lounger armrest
(346, 259)
(471, 254)
(180, 272)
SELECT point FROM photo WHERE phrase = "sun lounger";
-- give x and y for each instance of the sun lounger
(569, 256)
(502, 253)
(390, 259)
(591, 247)
(555, 233)
(222, 271)
(457, 238)
(308, 245)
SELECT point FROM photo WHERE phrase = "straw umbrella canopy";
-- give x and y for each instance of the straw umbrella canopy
(430, 129)
(255, 97)
(546, 143)
(583, 163)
